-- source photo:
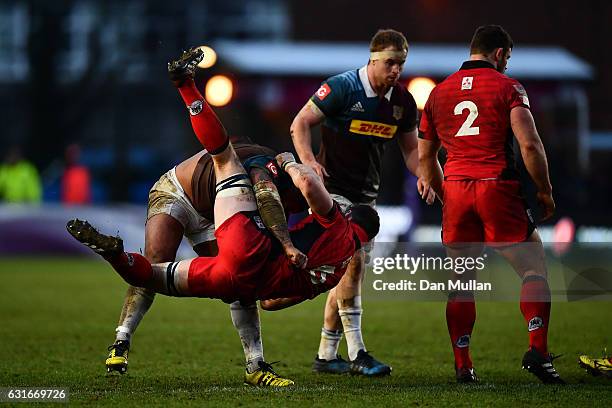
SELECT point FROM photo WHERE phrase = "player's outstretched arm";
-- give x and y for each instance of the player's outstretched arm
(308, 182)
(273, 215)
(430, 172)
(534, 156)
(310, 115)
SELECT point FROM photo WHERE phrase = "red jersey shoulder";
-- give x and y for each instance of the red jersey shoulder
(334, 215)
(517, 95)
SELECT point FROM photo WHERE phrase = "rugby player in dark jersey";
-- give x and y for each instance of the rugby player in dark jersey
(475, 114)
(359, 112)
(249, 264)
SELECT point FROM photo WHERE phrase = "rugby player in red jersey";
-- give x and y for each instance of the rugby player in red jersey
(475, 114)
(249, 265)
(181, 204)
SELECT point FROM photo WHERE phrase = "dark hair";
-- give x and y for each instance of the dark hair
(488, 38)
(386, 38)
(367, 218)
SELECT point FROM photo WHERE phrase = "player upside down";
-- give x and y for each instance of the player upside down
(250, 265)
(181, 203)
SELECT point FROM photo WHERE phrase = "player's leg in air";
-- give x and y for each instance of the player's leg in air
(234, 196)
(229, 172)
(342, 314)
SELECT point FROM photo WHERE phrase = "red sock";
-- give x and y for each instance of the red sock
(460, 319)
(535, 306)
(205, 123)
(134, 268)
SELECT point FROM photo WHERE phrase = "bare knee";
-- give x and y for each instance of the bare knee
(163, 235)
(527, 258)
(355, 270)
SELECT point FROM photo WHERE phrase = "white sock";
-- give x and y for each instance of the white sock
(246, 321)
(137, 303)
(351, 321)
(328, 348)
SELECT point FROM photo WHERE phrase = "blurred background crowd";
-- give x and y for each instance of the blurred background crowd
(89, 116)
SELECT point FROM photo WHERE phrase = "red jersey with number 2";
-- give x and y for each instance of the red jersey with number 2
(469, 112)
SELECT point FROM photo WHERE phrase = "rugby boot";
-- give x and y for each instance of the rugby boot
(104, 245)
(367, 365)
(184, 68)
(265, 376)
(335, 366)
(541, 366)
(118, 357)
(597, 366)
(466, 375)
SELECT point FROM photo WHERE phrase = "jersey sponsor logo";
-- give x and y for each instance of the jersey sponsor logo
(271, 166)
(259, 222)
(398, 111)
(364, 127)
(520, 89)
(523, 94)
(535, 323)
(466, 83)
(323, 91)
(357, 107)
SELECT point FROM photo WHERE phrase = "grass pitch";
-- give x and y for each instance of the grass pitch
(58, 316)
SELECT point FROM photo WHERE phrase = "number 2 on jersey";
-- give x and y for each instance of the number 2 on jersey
(466, 129)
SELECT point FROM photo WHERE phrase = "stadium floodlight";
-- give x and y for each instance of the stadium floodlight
(210, 57)
(219, 90)
(420, 88)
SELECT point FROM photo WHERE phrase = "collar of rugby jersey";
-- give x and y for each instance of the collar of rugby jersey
(473, 64)
(363, 77)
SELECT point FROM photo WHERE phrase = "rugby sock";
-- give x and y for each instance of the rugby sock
(134, 268)
(137, 303)
(328, 348)
(246, 321)
(351, 321)
(207, 127)
(535, 306)
(460, 319)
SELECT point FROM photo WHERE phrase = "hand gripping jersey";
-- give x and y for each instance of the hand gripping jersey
(356, 127)
(251, 265)
(328, 241)
(469, 112)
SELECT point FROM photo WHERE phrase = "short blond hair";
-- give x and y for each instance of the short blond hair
(388, 37)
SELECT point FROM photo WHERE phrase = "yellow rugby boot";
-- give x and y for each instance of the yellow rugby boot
(265, 376)
(596, 366)
(118, 357)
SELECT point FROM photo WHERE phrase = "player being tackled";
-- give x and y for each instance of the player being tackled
(247, 267)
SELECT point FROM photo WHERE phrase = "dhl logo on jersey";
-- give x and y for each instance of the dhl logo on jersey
(364, 127)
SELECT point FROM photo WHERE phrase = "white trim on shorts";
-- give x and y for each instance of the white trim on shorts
(197, 229)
